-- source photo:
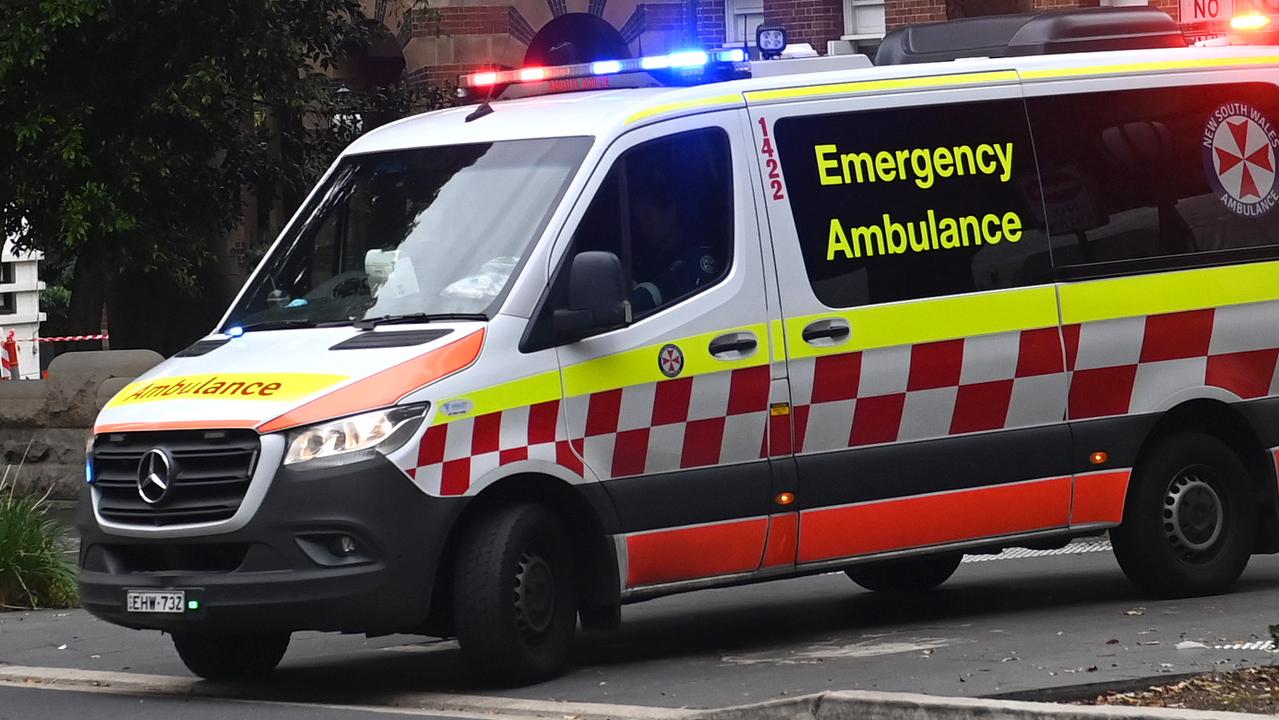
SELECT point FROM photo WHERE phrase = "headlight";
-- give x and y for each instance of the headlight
(383, 430)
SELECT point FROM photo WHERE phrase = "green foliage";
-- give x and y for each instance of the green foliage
(34, 570)
(137, 125)
(55, 303)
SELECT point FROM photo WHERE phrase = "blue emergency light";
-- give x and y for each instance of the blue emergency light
(686, 66)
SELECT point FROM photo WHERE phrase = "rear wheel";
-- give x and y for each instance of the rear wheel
(231, 657)
(909, 575)
(1189, 523)
(515, 595)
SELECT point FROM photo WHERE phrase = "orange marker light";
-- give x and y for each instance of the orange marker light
(1099, 458)
(785, 498)
(1251, 21)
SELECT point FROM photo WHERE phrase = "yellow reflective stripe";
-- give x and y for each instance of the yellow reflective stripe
(869, 86)
(1169, 292)
(633, 367)
(776, 341)
(921, 321)
(639, 366)
(540, 388)
(1143, 67)
(726, 100)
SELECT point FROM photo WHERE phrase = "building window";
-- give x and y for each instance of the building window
(6, 273)
(863, 19)
(8, 303)
(741, 17)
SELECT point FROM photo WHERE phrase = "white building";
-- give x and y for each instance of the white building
(20, 288)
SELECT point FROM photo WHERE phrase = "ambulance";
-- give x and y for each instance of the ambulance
(627, 328)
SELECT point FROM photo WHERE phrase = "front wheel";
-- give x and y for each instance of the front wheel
(231, 657)
(515, 595)
(1190, 522)
(908, 575)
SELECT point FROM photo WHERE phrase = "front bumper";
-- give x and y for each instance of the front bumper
(281, 571)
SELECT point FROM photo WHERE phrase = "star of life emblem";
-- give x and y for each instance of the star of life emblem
(670, 360)
(1240, 149)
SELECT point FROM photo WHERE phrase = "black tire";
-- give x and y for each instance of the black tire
(1190, 522)
(515, 596)
(231, 657)
(908, 575)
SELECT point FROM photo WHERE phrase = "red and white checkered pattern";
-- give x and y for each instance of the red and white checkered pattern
(1143, 364)
(914, 392)
(895, 394)
(455, 454)
(688, 422)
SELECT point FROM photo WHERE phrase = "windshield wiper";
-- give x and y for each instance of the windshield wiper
(407, 318)
(275, 325)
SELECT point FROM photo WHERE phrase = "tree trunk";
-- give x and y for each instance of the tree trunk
(88, 297)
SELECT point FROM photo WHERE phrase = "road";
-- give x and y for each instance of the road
(999, 626)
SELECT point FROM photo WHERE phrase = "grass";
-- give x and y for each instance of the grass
(34, 571)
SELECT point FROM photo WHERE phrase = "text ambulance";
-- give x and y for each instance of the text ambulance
(520, 363)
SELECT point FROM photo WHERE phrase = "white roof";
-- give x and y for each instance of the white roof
(605, 113)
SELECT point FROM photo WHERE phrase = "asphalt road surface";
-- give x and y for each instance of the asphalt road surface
(1004, 625)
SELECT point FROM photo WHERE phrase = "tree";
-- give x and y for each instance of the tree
(132, 131)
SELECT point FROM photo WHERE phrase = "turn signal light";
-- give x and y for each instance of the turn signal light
(785, 498)
(1099, 458)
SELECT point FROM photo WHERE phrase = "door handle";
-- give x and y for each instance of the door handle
(741, 342)
(831, 331)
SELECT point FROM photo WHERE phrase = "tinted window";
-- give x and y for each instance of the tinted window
(1157, 173)
(914, 202)
(666, 210)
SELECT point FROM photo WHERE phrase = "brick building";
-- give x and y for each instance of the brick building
(459, 36)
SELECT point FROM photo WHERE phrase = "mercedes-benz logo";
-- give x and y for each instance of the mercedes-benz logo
(155, 473)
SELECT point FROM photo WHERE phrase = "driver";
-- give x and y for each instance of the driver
(667, 263)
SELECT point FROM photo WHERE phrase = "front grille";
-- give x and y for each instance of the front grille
(210, 475)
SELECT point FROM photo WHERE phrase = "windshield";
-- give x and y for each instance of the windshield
(430, 231)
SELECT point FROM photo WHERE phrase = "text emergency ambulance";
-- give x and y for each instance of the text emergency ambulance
(520, 363)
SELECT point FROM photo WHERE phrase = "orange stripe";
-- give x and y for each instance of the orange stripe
(175, 425)
(1099, 497)
(783, 539)
(383, 388)
(934, 519)
(695, 552)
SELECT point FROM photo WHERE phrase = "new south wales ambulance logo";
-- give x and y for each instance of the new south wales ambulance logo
(670, 360)
(1240, 148)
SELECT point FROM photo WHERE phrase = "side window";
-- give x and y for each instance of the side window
(1157, 173)
(666, 209)
(915, 202)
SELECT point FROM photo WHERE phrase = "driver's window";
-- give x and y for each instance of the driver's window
(666, 210)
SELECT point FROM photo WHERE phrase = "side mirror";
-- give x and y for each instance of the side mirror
(597, 299)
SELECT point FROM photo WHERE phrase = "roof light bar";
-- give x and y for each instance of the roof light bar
(1250, 21)
(683, 63)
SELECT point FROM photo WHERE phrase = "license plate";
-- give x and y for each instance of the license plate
(156, 601)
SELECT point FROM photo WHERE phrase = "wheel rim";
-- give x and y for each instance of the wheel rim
(534, 596)
(1193, 513)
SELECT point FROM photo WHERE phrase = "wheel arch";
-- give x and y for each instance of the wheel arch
(589, 519)
(1229, 424)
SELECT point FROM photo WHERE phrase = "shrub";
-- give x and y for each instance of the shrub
(34, 571)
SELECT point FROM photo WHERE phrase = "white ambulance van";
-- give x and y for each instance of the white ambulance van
(688, 321)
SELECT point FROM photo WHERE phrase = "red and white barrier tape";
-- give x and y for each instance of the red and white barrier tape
(66, 338)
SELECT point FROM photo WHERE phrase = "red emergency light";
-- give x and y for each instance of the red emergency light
(682, 67)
